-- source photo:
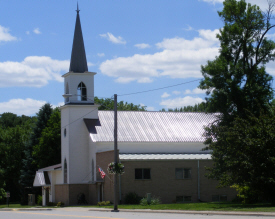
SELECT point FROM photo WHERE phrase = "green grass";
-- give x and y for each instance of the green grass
(15, 206)
(210, 206)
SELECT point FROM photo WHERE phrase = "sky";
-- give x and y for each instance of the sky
(133, 46)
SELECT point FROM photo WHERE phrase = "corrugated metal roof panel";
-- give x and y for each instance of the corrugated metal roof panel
(164, 157)
(140, 126)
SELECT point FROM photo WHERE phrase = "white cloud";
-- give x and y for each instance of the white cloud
(33, 71)
(27, 32)
(26, 107)
(195, 91)
(179, 58)
(165, 95)
(181, 102)
(21, 106)
(113, 39)
(150, 108)
(176, 92)
(142, 46)
(189, 28)
(100, 54)
(37, 31)
(5, 35)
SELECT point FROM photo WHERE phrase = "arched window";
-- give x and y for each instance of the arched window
(65, 171)
(82, 92)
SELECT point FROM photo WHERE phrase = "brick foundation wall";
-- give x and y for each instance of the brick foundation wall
(68, 193)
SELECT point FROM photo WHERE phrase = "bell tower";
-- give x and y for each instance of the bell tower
(76, 145)
(78, 82)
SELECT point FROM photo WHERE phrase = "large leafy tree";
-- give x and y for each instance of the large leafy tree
(29, 165)
(48, 151)
(14, 132)
(108, 104)
(238, 87)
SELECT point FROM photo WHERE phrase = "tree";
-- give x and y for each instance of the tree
(14, 132)
(108, 104)
(240, 89)
(244, 156)
(48, 151)
(200, 107)
(29, 165)
(237, 78)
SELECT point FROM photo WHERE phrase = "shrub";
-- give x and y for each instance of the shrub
(51, 204)
(103, 203)
(39, 200)
(143, 202)
(154, 201)
(60, 204)
(132, 198)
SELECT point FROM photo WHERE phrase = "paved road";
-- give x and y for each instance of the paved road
(75, 213)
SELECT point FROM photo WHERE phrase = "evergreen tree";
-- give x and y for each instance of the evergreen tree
(29, 165)
(48, 151)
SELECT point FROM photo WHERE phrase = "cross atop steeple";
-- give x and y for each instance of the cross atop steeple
(77, 8)
(78, 58)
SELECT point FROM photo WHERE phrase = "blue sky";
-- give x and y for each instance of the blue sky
(133, 46)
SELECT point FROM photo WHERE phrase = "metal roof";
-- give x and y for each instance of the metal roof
(41, 179)
(144, 126)
(78, 58)
(131, 157)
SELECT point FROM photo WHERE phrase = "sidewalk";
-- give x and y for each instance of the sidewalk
(233, 213)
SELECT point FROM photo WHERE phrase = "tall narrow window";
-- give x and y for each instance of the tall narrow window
(82, 92)
(65, 171)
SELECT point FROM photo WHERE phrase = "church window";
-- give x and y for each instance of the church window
(65, 171)
(82, 92)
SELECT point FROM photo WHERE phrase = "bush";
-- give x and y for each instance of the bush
(154, 201)
(143, 202)
(132, 198)
(60, 204)
(103, 203)
(51, 204)
(39, 200)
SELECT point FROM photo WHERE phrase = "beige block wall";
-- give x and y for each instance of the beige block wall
(67, 193)
(164, 185)
(102, 160)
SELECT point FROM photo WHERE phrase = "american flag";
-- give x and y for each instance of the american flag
(102, 174)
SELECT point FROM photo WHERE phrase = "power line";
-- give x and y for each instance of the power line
(158, 88)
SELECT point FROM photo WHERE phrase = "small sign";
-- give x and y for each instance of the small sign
(8, 195)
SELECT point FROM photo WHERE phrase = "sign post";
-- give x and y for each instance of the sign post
(8, 197)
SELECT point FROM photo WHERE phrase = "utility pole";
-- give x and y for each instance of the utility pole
(115, 152)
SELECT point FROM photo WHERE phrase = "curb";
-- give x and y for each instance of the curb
(233, 213)
(26, 209)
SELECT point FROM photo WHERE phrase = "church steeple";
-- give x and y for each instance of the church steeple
(78, 58)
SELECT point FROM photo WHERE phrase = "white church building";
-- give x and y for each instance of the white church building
(161, 151)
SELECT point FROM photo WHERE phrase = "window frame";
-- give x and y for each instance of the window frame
(143, 174)
(183, 173)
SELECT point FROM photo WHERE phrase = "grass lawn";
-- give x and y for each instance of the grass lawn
(210, 206)
(15, 206)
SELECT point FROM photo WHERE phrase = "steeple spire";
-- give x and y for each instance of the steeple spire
(78, 58)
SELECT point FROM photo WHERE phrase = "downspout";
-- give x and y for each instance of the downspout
(119, 188)
(199, 192)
